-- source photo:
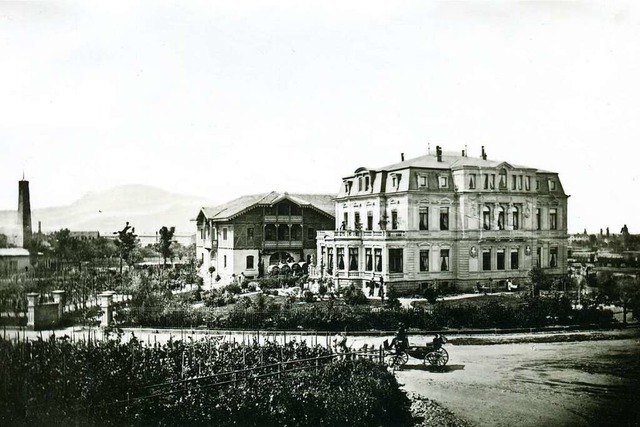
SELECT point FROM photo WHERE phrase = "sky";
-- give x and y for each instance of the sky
(222, 99)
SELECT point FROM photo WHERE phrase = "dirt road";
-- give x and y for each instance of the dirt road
(544, 384)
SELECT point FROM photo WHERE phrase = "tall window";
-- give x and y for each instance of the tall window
(353, 259)
(395, 260)
(486, 259)
(311, 233)
(422, 180)
(552, 185)
(444, 259)
(537, 184)
(356, 218)
(359, 183)
(553, 219)
(513, 182)
(369, 220)
(224, 261)
(366, 183)
(503, 180)
(224, 234)
(250, 233)
(444, 218)
(492, 181)
(249, 261)
(296, 232)
(500, 259)
(423, 219)
(345, 219)
(472, 181)
(394, 220)
(283, 232)
(501, 218)
(270, 232)
(539, 257)
(519, 182)
(444, 181)
(377, 253)
(527, 183)
(330, 259)
(486, 181)
(368, 259)
(424, 260)
(516, 218)
(514, 259)
(538, 219)
(553, 257)
(486, 218)
(340, 256)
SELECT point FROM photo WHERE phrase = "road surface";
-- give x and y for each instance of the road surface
(589, 383)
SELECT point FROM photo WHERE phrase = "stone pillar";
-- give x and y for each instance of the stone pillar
(32, 300)
(58, 298)
(106, 299)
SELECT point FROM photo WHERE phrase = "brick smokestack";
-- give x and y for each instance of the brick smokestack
(24, 212)
(439, 153)
(402, 157)
(484, 154)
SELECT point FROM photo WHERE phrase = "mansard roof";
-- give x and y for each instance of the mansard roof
(325, 203)
(453, 161)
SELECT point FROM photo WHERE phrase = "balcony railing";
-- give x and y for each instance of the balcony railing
(282, 244)
(369, 234)
(284, 219)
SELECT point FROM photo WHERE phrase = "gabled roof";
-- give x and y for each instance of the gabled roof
(13, 252)
(451, 161)
(324, 203)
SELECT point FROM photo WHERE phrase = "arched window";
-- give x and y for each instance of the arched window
(501, 218)
(486, 218)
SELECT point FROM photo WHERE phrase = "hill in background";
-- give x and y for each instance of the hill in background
(146, 208)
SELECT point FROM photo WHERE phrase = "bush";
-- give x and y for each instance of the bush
(308, 297)
(232, 289)
(355, 296)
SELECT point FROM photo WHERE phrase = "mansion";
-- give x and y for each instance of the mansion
(252, 234)
(446, 220)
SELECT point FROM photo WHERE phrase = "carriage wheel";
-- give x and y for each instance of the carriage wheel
(439, 357)
(396, 360)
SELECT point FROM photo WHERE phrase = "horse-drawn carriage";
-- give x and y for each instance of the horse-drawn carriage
(430, 354)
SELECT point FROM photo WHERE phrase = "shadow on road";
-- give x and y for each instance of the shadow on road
(435, 369)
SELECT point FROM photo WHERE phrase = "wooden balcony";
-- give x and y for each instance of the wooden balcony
(283, 219)
(287, 244)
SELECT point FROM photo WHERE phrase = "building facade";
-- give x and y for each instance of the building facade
(249, 234)
(446, 220)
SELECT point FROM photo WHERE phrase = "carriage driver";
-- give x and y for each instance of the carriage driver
(437, 342)
(400, 342)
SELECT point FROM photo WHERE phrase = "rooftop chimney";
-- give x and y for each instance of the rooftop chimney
(484, 154)
(439, 153)
(462, 153)
(402, 157)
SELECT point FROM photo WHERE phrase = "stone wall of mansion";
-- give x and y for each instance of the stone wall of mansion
(446, 220)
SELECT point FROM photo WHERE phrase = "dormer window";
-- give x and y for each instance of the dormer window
(527, 183)
(395, 180)
(366, 183)
(422, 181)
(359, 183)
(444, 181)
(552, 185)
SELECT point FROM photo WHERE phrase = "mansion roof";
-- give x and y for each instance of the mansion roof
(226, 211)
(452, 161)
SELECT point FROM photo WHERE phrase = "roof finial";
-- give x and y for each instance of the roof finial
(23, 174)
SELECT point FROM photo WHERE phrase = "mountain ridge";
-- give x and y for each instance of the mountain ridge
(145, 207)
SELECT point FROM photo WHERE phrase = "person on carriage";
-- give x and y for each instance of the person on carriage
(400, 342)
(438, 341)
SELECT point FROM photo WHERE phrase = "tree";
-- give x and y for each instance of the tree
(127, 242)
(538, 279)
(164, 246)
(4, 241)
